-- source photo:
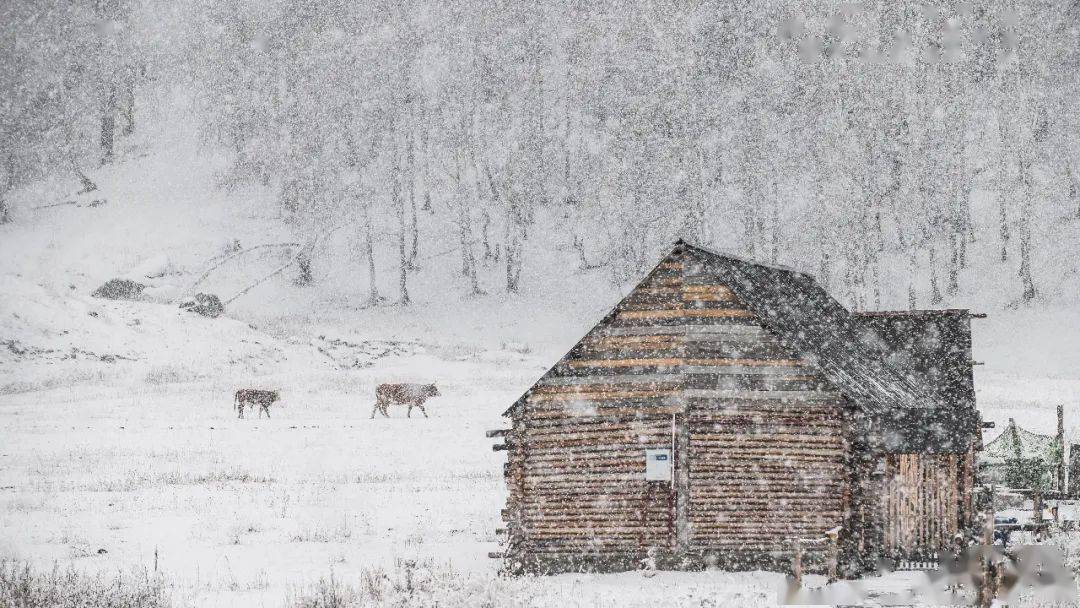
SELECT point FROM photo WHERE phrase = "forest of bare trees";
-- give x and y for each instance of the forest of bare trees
(881, 146)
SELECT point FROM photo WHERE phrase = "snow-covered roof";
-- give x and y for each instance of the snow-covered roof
(914, 414)
(1017, 443)
(916, 410)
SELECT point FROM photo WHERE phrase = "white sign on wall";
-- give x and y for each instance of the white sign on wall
(658, 464)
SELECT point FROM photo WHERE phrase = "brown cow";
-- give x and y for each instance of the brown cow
(411, 395)
(252, 397)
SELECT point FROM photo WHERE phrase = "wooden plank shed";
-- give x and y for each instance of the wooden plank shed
(724, 410)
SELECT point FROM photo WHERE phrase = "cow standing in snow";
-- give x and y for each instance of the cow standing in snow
(251, 397)
(411, 395)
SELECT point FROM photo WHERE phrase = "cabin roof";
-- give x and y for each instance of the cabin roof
(879, 361)
(812, 322)
(933, 347)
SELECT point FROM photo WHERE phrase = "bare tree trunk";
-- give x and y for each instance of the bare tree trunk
(967, 221)
(464, 235)
(1003, 199)
(369, 253)
(399, 207)
(913, 271)
(568, 194)
(511, 286)
(410, 178)
(513, 259)
(935, 291)
(956, 241)
(1072, 188)
(485, 215)
(108, 126)
(1024, 221)
(9, 170)
(128, 109)
(774, 226)
(879, 251)
(425, 170)
(467, 257)
(485, 228)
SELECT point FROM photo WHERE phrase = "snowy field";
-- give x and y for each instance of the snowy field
(105, 474)
(135, 459)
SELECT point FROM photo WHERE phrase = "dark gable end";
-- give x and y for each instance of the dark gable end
(932, 346)
(933, 349)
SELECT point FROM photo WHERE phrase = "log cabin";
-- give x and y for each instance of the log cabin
(729, 413)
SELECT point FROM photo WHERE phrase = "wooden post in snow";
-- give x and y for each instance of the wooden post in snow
(986, 591)
(1037, 506)
(834, 554)
(1060, 464)
(1074, 470)
(796, 563)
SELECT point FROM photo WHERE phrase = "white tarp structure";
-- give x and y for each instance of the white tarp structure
(1019, 458)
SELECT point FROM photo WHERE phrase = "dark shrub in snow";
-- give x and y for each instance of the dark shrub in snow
(22, 586)
(119, 289)
(206, 304)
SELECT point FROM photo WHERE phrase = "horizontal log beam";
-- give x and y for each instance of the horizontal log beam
(689, 331)
(581, 395)
(689, 313)
(672, 362)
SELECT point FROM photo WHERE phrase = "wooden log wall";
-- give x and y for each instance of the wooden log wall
(925, 502)
(768, 438)
(764, 472)
(577, 472)
(762, 434)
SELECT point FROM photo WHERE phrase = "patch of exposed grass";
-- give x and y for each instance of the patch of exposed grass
(138, 480)
(171, 374)
(322, 534)
(412, 584)
(239, 531)
(22, 586)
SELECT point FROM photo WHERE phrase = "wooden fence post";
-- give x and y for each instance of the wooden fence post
(1059, 466)
(986, 591)
(1037, 506)
(834, 555)
(1074, 470)
(796, 563)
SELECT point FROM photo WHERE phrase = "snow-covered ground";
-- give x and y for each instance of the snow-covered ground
(144, 454)
(110, 471)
